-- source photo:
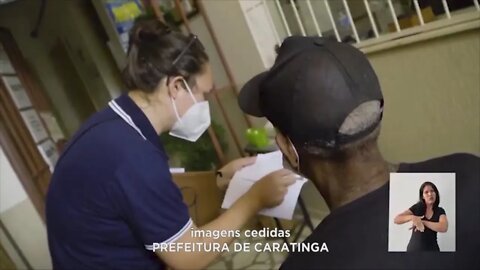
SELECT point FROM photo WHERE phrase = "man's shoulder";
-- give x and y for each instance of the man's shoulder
(348, 232)
(465, 166)
(357, 236)
(460, 159)
(457, 162)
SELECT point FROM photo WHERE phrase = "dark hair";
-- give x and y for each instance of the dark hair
(437, 195)
(153, 48)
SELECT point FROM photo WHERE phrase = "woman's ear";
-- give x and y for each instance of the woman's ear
(287, 149)
(174, 85)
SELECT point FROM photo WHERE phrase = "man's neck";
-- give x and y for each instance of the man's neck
(343, 182)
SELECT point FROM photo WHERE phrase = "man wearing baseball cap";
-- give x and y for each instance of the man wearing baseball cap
(326, 103)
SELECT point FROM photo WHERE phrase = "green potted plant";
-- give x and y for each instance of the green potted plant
(194, 156)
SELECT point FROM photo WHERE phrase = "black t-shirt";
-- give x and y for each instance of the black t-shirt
(357, 233)
(426, 240)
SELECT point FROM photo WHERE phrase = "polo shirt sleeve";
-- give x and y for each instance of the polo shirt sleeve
(150, 201)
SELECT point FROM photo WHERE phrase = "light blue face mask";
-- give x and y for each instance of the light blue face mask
(194, 122)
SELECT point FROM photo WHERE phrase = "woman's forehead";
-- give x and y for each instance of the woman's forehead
(428, 187)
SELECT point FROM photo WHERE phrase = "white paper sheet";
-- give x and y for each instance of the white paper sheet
(246, 177)
(177, 170)
(48, 150)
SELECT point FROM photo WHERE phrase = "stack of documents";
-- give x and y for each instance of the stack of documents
(247, 176)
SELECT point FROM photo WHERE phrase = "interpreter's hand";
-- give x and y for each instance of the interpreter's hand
(270, 190)
(231, 168)
(420, 227)
(417, 229)
(417, 224)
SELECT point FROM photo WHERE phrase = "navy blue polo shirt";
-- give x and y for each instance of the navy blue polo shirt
(112, 195)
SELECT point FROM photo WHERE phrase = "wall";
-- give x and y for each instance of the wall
(236, 41)
(238, 47)
(432, 94)
(21, 221)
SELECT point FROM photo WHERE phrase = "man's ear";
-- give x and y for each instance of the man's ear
(174, 86)
(287, 149)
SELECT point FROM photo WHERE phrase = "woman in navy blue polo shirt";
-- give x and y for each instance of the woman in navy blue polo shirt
(112, 203)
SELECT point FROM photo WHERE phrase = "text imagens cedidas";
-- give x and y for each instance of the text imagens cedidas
(264, 233)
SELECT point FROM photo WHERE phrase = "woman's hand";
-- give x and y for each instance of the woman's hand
(230, 169)
(417, 223)
(270, 190)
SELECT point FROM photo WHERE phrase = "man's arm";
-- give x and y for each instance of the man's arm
(440, 226)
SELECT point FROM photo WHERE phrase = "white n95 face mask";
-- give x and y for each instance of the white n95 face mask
(194, 122)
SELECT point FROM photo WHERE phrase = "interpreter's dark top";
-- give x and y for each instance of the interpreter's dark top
(357, 233)
(112, 195)
(426, 240)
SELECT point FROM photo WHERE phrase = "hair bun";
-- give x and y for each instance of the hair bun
(149, 31)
